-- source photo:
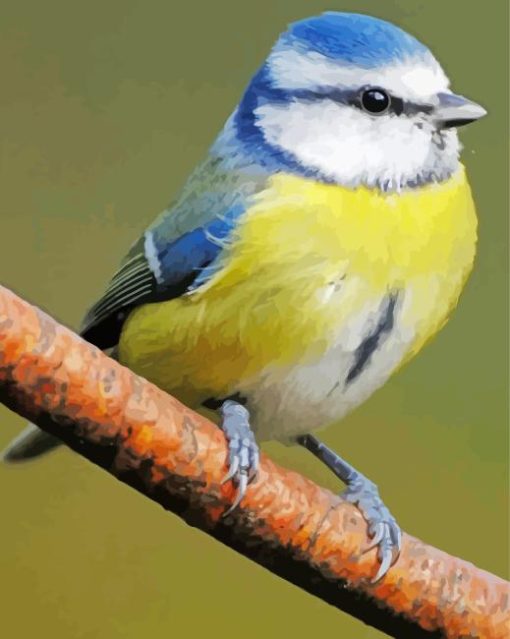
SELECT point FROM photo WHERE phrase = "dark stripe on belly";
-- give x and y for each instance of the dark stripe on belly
(372, 342)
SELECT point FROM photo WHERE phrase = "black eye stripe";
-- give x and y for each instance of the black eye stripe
(352, 97)
(398, 106)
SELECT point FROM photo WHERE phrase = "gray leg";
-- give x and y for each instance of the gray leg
(243, 452)
(382, 527)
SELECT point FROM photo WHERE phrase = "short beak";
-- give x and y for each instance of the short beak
(453, 110)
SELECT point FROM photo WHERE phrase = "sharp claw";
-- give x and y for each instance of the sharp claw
(241, 490)
(231, 471)
(228, 511)
(386, 560)
(377, 536)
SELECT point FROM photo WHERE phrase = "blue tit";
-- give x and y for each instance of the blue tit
(324, 239)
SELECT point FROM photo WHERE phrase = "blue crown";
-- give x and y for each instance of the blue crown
(352, 38)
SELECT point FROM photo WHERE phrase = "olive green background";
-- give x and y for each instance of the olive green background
(105, 107)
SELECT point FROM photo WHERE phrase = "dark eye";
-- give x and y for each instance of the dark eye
(375, 101)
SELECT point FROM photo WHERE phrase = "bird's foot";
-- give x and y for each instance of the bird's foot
(243, 451)
(384, 532)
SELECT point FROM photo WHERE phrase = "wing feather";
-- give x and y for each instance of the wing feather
(133, 283)
(179, 251)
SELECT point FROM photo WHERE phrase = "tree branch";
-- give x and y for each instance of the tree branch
(299, 531)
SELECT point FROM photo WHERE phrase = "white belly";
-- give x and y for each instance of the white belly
(289, 401)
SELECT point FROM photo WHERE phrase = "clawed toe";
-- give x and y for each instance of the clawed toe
(241, 481)
(383, 530)
(243, 468)
(243, 452)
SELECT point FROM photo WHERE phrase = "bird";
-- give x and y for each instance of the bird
(321, 243)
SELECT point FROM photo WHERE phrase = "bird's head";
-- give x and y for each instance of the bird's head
(354, 100)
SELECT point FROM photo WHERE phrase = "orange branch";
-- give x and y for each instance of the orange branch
(175, 457)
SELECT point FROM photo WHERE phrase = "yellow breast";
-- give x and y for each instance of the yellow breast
(306, 259)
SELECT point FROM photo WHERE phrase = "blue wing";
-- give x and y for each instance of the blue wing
(177, 254)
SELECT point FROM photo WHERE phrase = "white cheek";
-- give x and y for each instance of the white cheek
(346, 144)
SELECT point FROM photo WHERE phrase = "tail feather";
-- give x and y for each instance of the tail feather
(30, 443)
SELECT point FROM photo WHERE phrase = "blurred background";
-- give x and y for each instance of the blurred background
(105, 108)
